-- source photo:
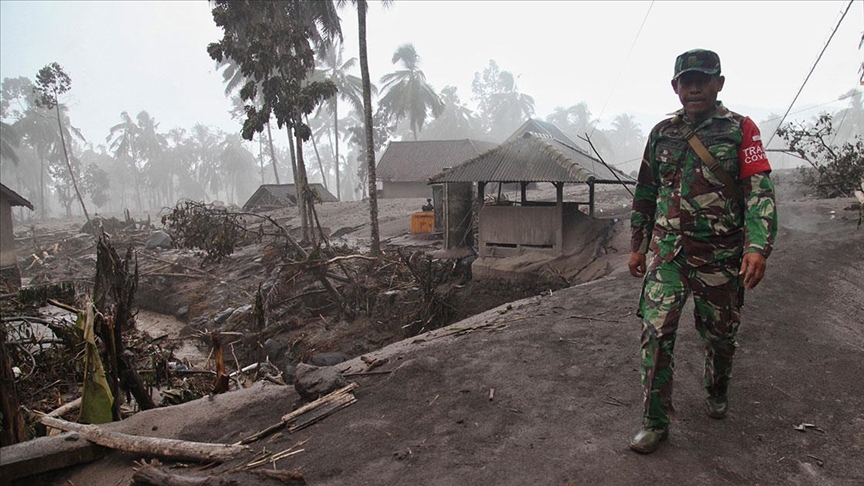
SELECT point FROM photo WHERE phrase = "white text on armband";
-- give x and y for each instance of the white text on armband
(753, 154)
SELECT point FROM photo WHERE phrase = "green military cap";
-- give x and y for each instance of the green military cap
(701, 60)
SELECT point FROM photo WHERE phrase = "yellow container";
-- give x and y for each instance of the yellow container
(422, 222)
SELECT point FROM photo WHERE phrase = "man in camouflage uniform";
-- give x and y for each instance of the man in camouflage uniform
(707, 238)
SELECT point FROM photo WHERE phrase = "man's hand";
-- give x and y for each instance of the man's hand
(637, 264)
(752, 267)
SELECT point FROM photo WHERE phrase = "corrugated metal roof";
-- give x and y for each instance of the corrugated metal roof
(418, 161)
(286, 194)
(14, 198)
(543, 128)
(534, 158)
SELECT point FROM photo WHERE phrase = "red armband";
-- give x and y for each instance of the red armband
(751, 154)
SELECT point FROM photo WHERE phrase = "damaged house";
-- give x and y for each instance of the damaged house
(511, 228)
(10, 275)
(405, 167)
(273, 196)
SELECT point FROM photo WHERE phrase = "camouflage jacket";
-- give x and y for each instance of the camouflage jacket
(682, 207)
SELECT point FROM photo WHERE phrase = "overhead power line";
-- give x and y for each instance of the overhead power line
(811, 71)
(621, 70)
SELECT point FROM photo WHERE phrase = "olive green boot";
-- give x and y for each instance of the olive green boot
(717, 407)
(648, 440)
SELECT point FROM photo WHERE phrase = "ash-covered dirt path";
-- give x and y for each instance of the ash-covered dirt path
(566, 390)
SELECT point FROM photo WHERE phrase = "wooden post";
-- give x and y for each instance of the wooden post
(591, 198)
(559, 205)
(522, 186)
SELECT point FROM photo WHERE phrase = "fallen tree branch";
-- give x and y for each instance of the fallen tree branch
(65, 408)
(179, 450)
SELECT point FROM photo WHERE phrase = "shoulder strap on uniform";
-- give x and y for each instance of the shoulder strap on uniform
(711, 162)
(715, 167)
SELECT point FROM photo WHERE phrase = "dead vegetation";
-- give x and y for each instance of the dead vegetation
(255, 298)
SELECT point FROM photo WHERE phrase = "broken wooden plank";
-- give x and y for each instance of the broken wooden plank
(289, 417)
(299, 419)
(180, 450)
(320, 412)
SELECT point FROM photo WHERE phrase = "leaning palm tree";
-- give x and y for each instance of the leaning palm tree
(406, 92)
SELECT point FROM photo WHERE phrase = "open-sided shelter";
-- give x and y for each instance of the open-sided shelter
(272, 196)
(10, 275)
(405, 167)
(509, 229)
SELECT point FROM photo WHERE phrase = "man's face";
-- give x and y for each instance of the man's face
(698, 93)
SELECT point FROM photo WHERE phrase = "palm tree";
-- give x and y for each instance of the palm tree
(122, 140)
(234, 79)
(362, 8)
(574, 121)
(849, 122)
(456, 120)
(407, 94)
(350, 89)
(509, 108)
(627, 141)
(235, 163)
(151, 147)
(38, 130)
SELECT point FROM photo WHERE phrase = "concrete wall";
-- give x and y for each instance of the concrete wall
(405, 190)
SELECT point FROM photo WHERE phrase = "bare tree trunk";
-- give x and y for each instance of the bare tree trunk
(318, 156)
(68, 164)
(42, 208)
(272, 155)
(336, 147)
(261, 157)
(298, 187)
(303, 192)
(375, 246)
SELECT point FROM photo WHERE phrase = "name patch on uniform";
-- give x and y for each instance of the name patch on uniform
(753, 153)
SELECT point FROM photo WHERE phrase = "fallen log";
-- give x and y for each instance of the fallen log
(179, 450)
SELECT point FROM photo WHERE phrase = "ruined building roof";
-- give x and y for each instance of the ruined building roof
(14, 198)
(281, 195)
(418, 161)
(534, 158)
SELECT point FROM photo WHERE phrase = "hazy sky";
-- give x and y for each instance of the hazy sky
(133, 56)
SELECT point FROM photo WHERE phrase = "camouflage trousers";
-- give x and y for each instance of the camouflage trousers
(667, 287)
